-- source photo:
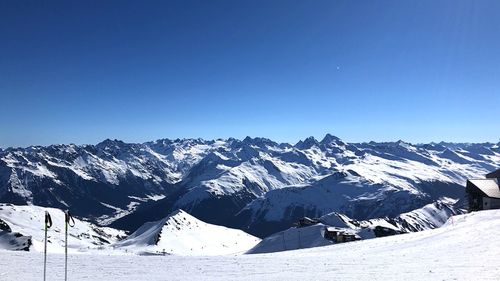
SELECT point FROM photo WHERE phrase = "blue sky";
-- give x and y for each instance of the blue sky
(82, 71)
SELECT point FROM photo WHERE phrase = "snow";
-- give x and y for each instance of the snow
(155, 197)
(292, 239)
(152, 197)
(279, 178)
(179, 233)
(74, 168)
(117, 213)
(29, 221)
(428, 217)
(466, 248)
(183, 234)
(18, 188)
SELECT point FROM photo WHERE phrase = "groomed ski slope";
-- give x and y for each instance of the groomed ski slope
(465, 248)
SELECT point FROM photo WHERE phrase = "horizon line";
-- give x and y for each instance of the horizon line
(242, 139)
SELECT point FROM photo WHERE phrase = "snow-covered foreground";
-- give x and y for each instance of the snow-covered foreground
(466, 248)
(178, 234)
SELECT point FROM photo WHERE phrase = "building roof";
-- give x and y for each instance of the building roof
(489, 187)
(494, 174)
(341, 230)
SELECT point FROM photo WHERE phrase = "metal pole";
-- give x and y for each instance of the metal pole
(67, 222)
(66, 251)
(45, 250)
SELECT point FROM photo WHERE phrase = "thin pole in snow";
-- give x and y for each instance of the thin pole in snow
(67, 221)
(45, 252)
(66, 248)
(48, 224)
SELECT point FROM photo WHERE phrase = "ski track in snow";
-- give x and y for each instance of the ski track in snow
(465, 248)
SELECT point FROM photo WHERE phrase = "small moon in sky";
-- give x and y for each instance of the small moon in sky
(338, 67)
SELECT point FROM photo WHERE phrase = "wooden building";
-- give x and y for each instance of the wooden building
(484, 194)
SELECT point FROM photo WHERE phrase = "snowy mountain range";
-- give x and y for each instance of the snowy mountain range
(254, 184)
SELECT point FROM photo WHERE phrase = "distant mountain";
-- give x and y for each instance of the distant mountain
(254, 184)
(183, 234)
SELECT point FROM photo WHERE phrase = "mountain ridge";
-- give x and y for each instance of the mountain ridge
(233, 182)
(327, 136)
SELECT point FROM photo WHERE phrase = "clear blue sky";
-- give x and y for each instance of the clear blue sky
(83, 71)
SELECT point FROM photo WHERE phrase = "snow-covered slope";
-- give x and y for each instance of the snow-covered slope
(266, 184)
(428, 217)
(466, 248)
(346, 193)
(183, 234)
(29, 221)
(295, 238)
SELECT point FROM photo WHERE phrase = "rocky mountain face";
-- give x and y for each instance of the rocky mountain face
(13, 241)
(254, 184)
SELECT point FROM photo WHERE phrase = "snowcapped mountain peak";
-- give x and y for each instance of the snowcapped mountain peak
(403, 143)
(182, 234)
(259, 142)
(248, 139)
(160, 142)
(110, 142)
(180, 219)
(181, 214)
(307, 143)
(329, 139)
(111, 181)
